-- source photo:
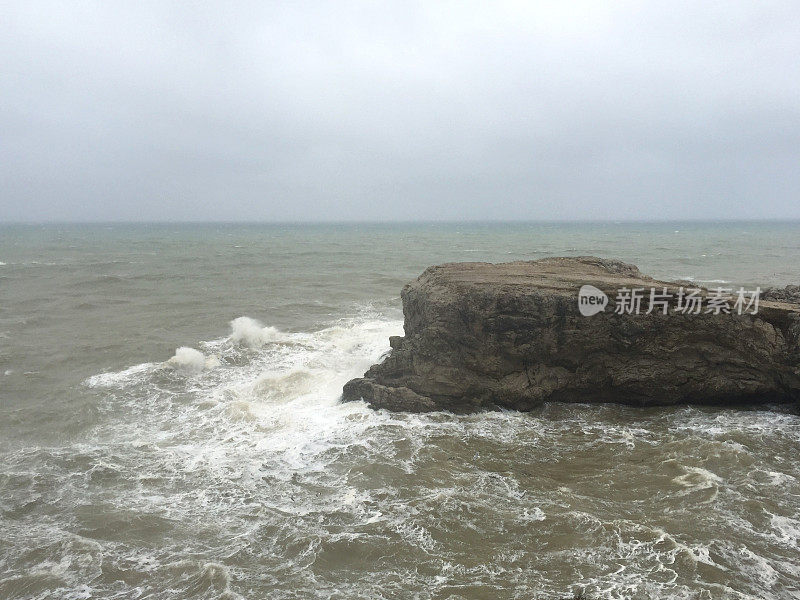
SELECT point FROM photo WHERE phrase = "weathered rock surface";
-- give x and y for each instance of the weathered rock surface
(480, 335)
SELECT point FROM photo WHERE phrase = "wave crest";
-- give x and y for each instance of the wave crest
(191, 360)
(251, 333)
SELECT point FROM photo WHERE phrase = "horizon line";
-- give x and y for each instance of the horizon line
(402, 222)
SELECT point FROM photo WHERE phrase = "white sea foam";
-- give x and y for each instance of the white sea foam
(263, 445)
(696, 280)
(190, 360)
(122, 378)
(697, 478)
(293, 389)
(251, 333)
(788, 529)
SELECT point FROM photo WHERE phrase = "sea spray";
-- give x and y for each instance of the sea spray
(190, 360)
(252, 334)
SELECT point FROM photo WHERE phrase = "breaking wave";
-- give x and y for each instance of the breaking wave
(191, 360)
(249, 332)
(232, 470)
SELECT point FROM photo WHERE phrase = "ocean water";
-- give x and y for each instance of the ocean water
(170, 428)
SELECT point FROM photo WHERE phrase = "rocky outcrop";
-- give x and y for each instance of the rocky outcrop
(480, 335)
(790, 294)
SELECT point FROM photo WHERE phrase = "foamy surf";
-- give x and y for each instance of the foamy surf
(251, 333)
(259, 461)
(121, 378)
(190, 360)
(701, 281)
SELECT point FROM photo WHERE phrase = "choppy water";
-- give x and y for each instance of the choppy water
(130, 470)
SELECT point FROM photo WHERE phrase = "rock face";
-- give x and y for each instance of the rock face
(480, 335)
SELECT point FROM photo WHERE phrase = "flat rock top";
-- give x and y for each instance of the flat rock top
(556, 274)
(561, 276)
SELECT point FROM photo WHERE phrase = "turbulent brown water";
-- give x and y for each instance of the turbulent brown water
(130, 468)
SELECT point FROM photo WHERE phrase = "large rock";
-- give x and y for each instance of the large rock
(480, 335)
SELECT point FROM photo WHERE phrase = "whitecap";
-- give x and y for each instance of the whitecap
(251, 333)
(192, 361)
(120, 378)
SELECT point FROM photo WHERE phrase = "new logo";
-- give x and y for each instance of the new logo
(591, 300)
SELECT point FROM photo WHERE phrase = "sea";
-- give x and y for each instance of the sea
(171, 427)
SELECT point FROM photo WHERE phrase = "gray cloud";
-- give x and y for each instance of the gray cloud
(313, 111)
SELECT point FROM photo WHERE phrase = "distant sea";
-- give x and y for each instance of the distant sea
(170, 427)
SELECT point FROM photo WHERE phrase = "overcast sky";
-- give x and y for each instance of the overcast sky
(399, 110)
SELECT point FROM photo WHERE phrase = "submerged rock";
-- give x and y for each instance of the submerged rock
(481, 335)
